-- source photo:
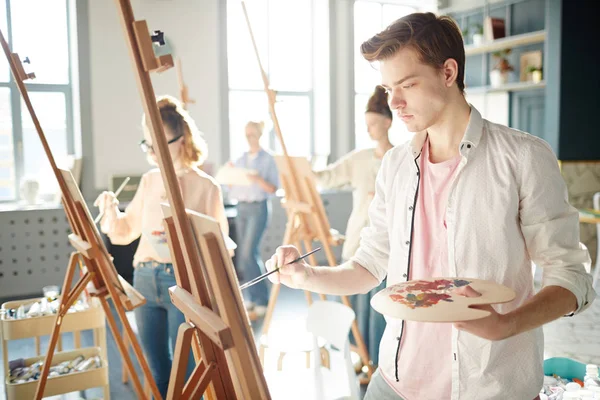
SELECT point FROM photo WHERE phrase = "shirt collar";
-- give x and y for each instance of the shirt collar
(471, 137)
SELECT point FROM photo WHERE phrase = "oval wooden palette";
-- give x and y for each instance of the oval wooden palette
(434, 300)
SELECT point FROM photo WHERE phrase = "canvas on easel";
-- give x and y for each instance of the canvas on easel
(99, 276)
(214, 322)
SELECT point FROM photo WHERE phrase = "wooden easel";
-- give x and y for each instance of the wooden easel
(86, 239)
(307, 220)
(207, 292)
(224, 321)
(184, 94)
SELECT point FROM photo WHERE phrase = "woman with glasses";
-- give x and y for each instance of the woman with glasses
(158, 320)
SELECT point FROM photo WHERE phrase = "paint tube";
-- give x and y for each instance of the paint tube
(90, 363)
(74, 363)
(20, 312)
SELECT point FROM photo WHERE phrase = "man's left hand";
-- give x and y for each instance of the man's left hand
(493, 327)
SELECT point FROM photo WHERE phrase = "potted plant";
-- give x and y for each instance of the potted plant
(499, 74)
(536, 73)
(478, 35)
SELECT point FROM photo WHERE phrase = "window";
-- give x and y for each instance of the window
(283, 30)
(370, 18)
(43, 37)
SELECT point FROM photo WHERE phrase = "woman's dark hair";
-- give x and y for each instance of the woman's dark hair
(378, 103)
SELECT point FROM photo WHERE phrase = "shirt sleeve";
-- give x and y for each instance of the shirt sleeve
(337, 174)
(374, 250)
(128, 225)
(550, 225)
(216, 209)
(272, 175)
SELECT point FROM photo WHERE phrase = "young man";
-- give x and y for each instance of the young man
(465, 198)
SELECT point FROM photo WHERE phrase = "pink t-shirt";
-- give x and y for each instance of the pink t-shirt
(424, 364)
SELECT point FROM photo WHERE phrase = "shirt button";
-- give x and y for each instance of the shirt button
(404, 275)
(468, 146)
(410, 208)
(407, 242)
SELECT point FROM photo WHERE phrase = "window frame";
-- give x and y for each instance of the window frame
(17, 111)
(272, 140)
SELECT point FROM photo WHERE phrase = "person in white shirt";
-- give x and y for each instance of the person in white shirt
(496, 202)
(358, 169)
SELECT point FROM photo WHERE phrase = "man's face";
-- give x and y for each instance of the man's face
(418, 92)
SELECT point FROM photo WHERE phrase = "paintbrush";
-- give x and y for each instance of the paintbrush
(117, 193)
(263, 276)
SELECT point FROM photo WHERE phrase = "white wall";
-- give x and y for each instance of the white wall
(192, 29)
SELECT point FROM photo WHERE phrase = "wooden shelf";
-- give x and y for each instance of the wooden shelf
(505, 43)
(90, 318)
(509, 87)
(73, 382)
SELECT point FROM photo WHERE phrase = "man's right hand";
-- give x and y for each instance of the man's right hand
(293, 275)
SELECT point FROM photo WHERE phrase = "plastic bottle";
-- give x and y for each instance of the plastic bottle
(591, 378)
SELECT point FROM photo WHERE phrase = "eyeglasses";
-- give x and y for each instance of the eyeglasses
(148, 147)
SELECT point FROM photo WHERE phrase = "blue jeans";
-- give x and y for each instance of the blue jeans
(158, 320)
(251, 225)
(370, 323)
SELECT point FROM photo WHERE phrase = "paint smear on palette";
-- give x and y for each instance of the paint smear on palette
(422, 294)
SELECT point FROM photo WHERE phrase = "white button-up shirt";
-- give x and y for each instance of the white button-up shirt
(507, 207)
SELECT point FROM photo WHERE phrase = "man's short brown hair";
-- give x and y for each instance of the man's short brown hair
(435, 39)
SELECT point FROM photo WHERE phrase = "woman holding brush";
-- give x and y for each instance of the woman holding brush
(158, 320)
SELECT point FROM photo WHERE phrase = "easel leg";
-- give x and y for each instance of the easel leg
(199, 381)
(124, 375)
(137, 350)
(67, 299)
(180, 361)
(137, 386)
